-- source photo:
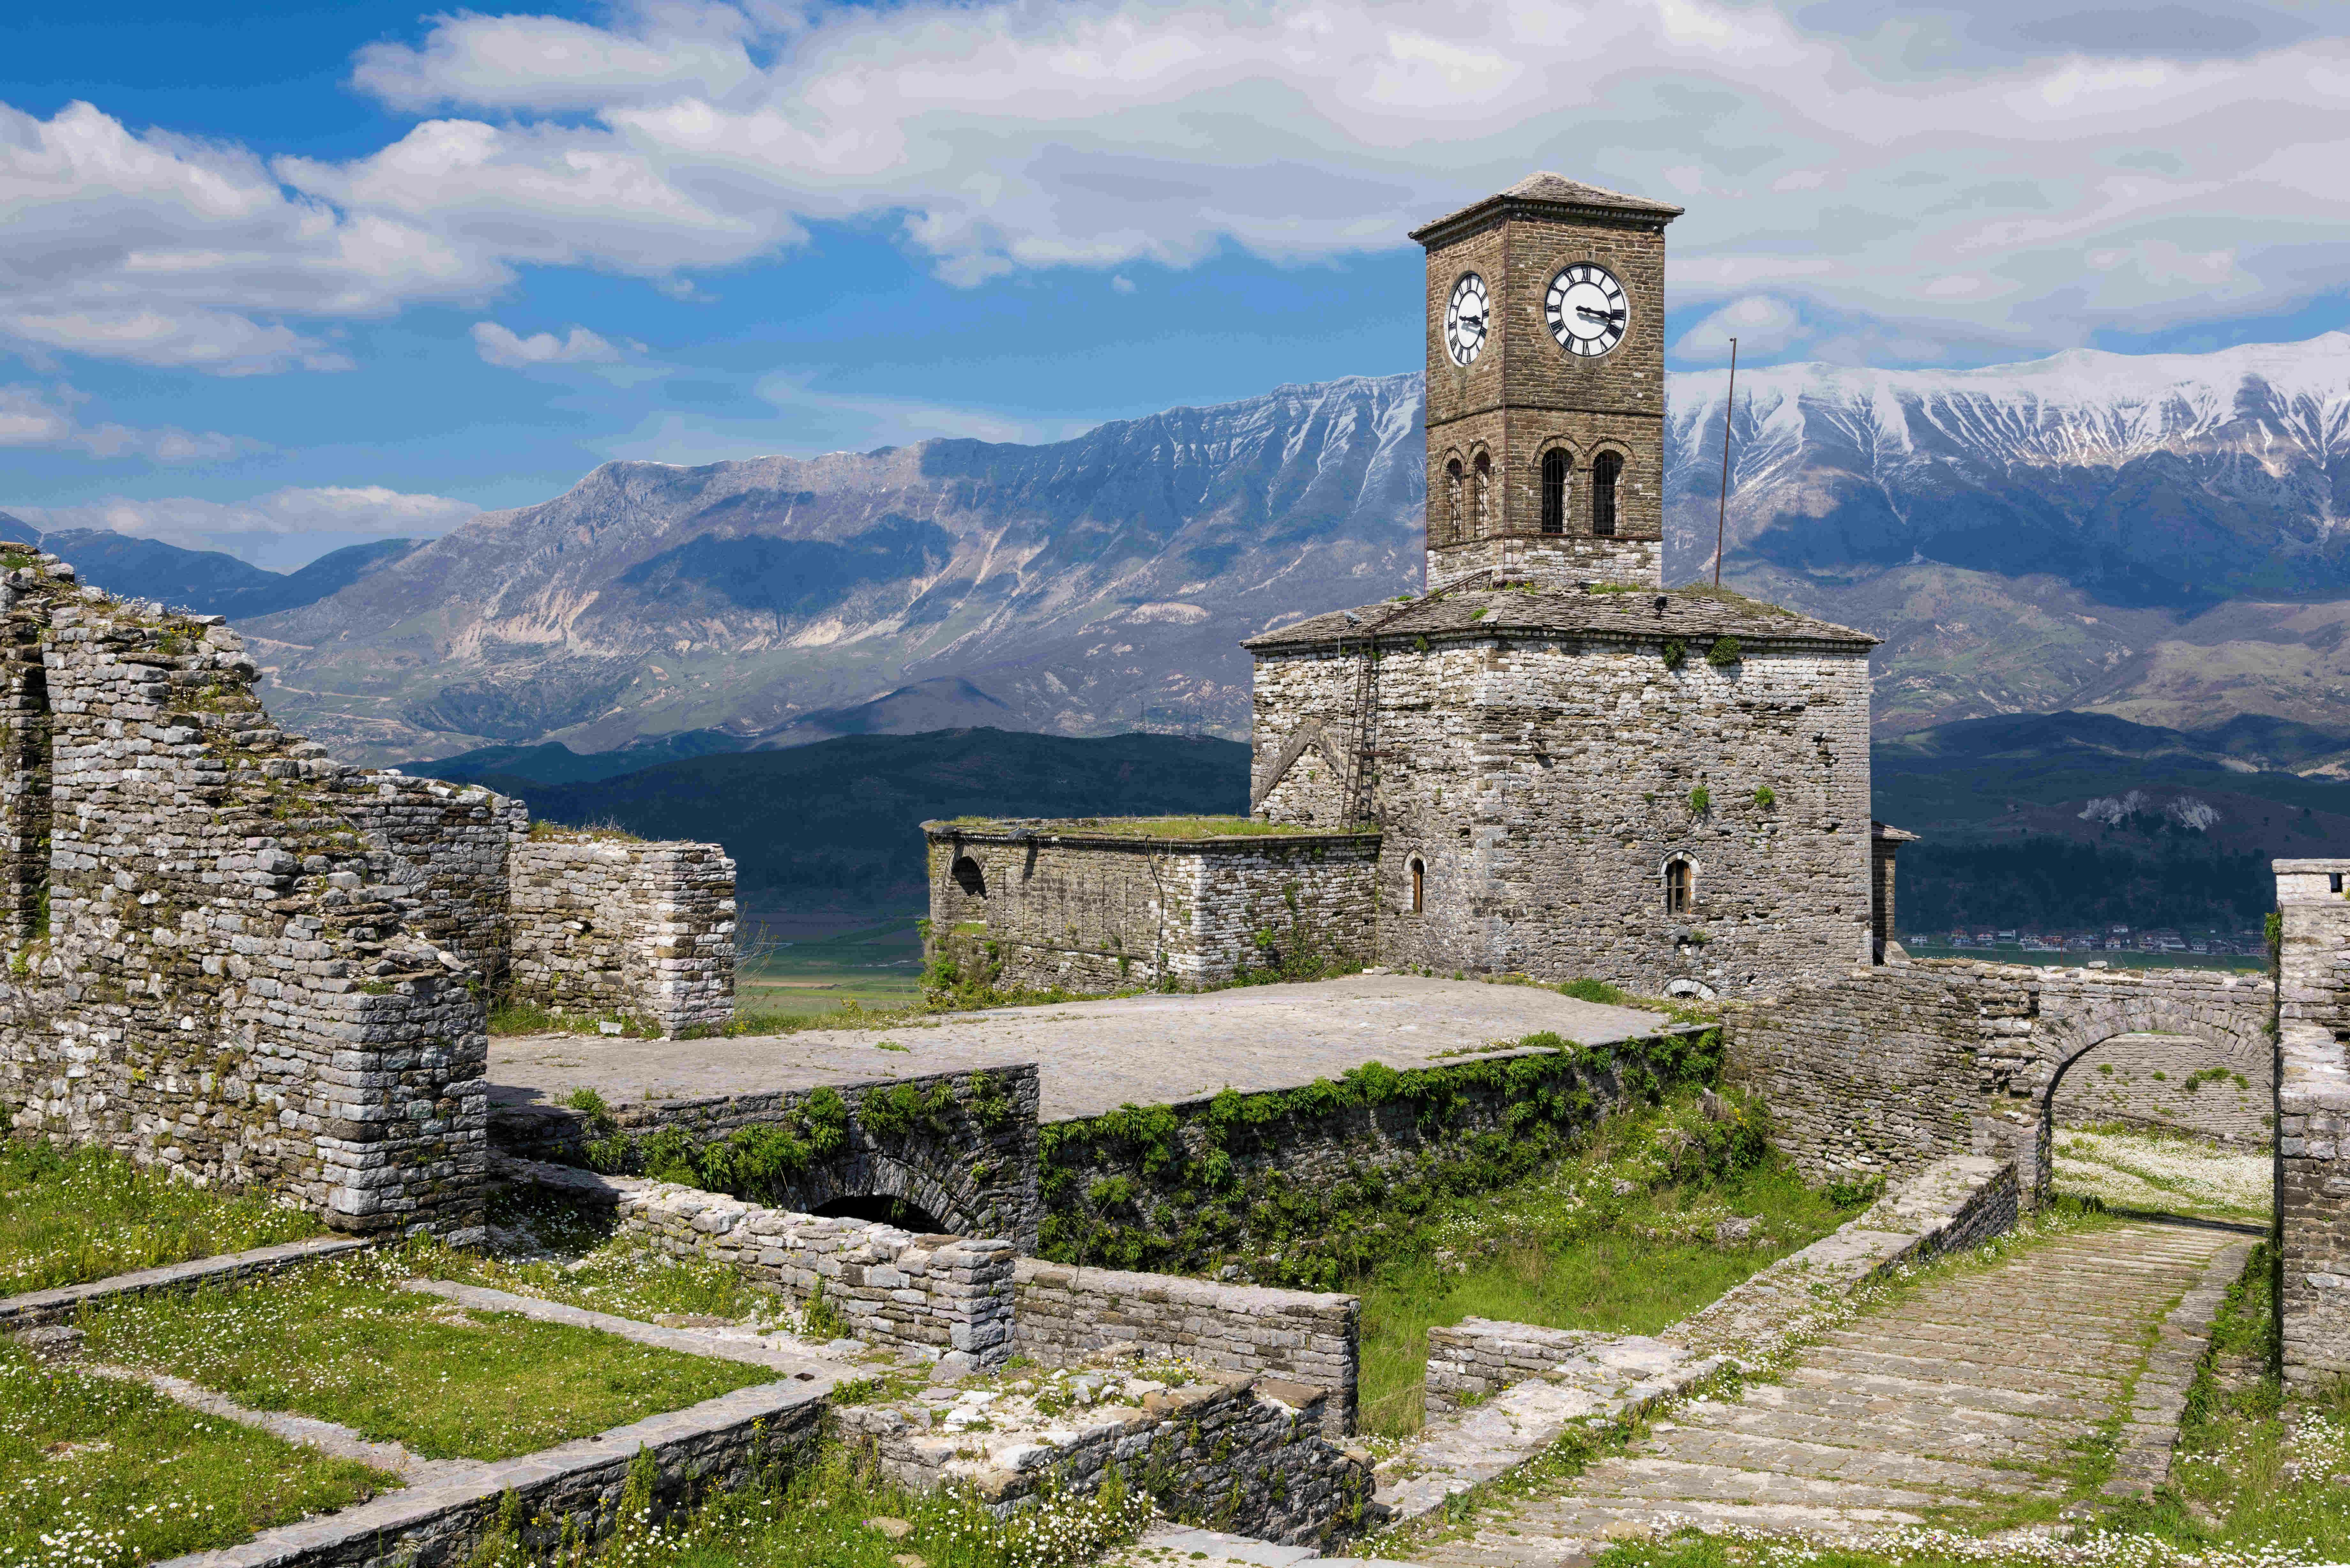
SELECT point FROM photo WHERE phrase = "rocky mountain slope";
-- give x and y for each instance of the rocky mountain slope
(2154, 536)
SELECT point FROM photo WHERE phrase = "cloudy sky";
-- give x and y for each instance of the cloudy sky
(285, 279)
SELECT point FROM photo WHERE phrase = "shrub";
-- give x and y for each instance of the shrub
(1701, 800)
(1765, 796)
(1676, 653)
(1724, 653)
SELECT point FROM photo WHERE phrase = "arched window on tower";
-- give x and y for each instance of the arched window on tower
(1418, 884)
(968, 875)
(1680, 885)
(1484, 497)
(1605, 469)
(1452, 501)
(1553, 492)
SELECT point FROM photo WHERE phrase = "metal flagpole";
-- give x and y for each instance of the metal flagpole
(1722, 515)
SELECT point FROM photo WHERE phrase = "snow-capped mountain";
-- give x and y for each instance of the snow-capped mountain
(2155, 536)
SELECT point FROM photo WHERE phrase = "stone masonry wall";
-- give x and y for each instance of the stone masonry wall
(2175, 1081)
(615, 927)
(2313, 1108)
(1067, 1314)
(226, 953)
(941, 1293)
(1882, 1070)
(1239, 1454)
(1544, 784)
(961, 1146)
(1057, 906)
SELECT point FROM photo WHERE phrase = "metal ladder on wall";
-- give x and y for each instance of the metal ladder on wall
(1362, 764)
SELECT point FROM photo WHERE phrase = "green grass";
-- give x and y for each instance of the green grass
(100, 1472)
(338, 1342)
(68, 1219)
(816, 1518)
(558, 1252)
(845, 981)
(1563, 1250)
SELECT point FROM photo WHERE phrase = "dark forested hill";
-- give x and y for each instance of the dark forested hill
(839, 823)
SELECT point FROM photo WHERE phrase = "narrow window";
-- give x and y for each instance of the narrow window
(1679, 877)
(967, 877)
(1452, 489)
(1553, 492)
(1605, 469)
(1484, 497)
(1418, 884)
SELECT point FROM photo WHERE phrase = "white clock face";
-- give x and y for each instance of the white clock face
(1587, 309)
(1464, 319)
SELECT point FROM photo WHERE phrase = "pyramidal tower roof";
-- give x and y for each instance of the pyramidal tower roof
(1545, 192)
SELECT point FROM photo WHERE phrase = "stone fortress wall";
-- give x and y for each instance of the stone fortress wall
(1540, 783)
(616, 928)
(2312, 1104)
(1044, 904)
(1881, 1071)
(228, 953)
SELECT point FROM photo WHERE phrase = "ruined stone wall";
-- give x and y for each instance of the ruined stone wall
(1879, 1071)
(938, 1292)
(1057, 906)
(2313, 1110)
(961, 1146)
(256, 966)
(1542, 783)
(226, 953)
(1066, 1314)
(613, 927)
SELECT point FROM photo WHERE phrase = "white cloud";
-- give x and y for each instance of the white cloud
(1760, 324)
(283, 528)
(998, 135)
(1121, 285)
(498, 345)
(31, 419)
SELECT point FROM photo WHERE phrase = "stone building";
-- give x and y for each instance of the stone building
(1548, 762)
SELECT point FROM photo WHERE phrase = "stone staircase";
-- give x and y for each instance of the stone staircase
(1971, 1393)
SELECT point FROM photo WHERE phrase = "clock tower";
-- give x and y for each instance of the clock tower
(1546, 387)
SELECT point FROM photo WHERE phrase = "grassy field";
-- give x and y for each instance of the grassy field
(339, 1342)
(807, 975)
(2127, 1168)
(1619, 1238)
(67, 1218)
(98, 1472)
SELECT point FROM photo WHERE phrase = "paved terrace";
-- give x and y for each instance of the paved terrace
(1092, 1056)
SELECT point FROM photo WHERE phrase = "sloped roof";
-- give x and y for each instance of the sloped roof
(1544, 189)
(1695, 613)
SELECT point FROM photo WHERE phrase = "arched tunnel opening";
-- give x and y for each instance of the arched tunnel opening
(880, 1208)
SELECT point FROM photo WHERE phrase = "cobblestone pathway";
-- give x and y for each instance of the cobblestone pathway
(1968, 1393)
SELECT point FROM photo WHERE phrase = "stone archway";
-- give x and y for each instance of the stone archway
(2223, 1044)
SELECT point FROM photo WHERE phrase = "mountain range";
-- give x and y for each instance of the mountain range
(2153, 537)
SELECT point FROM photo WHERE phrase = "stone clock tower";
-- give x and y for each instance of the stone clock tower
(1545, 387)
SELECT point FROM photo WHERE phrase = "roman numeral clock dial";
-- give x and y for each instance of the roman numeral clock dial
(1587, 309)
(1464, 319)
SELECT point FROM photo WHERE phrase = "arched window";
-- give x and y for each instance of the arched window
(1680, 885)
(1418, 884)
(1484, 497)
(1605, 469)
(967, 876)
(1553, 511)
(1452, 497)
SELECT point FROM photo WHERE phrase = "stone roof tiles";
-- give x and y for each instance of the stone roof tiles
(1546, 189)
(1694, 613)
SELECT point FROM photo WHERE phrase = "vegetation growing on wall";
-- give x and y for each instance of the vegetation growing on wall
(1182, 1189)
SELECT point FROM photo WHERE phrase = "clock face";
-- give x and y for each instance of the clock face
(1464, 319)
(1587, 309)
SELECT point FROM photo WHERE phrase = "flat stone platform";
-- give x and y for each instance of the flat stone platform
(1092, 1056)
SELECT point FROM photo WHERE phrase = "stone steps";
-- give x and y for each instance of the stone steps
(1967, 1395)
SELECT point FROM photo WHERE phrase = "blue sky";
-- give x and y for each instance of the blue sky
(280, 280)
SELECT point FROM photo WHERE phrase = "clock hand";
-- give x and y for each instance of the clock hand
(1590, 315)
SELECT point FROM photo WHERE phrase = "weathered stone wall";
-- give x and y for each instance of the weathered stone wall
(961, 1146)
(616, 928)
(1055, 905)
(1241, 1454)
(941, 1293)
(2312, 1109)
(1542, 783)
(227, 953)
(1066, 1314)
(2180, 1082)
(1879, 1071)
